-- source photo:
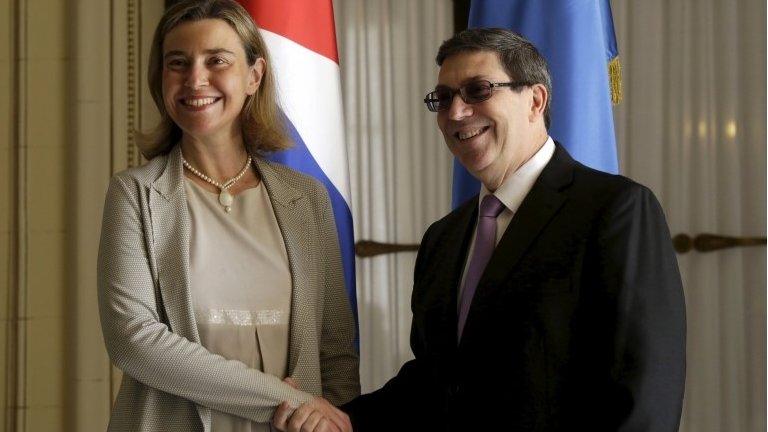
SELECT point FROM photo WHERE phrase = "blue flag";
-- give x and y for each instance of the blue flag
(578, 41)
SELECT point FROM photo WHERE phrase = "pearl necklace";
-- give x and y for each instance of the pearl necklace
(225, 198)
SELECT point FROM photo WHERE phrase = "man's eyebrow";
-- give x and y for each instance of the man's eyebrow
(208, 51)
(473, 78)
(466, 80)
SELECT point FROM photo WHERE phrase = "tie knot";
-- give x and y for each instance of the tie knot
(491, 206)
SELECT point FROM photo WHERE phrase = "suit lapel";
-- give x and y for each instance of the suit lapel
(457, 246)
(171, 231)
(294, 217)
(542, 203)
(447, 257)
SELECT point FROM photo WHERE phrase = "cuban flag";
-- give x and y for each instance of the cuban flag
(301, 38)
(578, 40)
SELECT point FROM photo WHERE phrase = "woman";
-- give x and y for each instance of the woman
(219, 273)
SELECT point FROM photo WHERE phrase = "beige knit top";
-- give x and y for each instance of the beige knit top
(240, 283)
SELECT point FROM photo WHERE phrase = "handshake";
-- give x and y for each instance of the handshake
(317, 415)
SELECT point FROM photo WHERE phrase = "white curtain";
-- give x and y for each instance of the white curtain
(692, 127)
(399, 166)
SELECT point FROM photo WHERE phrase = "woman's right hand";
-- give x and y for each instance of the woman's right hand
(317, 415)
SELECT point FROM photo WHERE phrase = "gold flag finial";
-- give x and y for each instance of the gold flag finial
(614, 74)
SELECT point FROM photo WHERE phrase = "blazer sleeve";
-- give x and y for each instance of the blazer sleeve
(339, 364)
(639, 269)
(140, 343)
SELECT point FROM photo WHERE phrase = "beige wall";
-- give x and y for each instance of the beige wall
(65, 112)
(34, 63)
(6, 186)
(46, 132)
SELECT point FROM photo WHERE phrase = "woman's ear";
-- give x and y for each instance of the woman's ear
(256, 71)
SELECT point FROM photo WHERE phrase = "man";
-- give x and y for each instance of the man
(551, 301)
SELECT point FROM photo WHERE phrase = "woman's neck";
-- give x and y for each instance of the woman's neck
(218, 159)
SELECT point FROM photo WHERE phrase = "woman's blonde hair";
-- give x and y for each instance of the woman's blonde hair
(262, 123)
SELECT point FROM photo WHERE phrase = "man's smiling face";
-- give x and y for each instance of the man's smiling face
(490, 138)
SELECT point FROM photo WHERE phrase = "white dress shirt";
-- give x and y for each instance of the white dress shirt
(511, 193)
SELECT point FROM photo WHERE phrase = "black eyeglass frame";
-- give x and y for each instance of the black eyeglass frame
(430, 100)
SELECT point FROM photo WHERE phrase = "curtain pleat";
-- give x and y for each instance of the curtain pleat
(399, 167)
(692, 128)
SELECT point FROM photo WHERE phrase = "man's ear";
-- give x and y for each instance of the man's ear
(539, 101)
(256, 71)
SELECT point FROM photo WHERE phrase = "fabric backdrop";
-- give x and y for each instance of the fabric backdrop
(399, 166)
(691, 127)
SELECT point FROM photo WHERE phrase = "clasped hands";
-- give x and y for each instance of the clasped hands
(317, 415)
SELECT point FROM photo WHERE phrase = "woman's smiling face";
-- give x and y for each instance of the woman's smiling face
(206, 78)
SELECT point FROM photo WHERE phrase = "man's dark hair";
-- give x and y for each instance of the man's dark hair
(520, 59)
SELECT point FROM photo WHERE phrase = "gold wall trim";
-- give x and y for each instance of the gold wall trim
(132, 121)
(369, 248)
(16, 395)
(707, 242)
(97, 147)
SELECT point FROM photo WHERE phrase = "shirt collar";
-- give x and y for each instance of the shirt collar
(516, 187)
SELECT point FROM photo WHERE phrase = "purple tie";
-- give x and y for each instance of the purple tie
(485, 242)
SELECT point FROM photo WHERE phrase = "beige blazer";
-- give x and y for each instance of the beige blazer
(170, 381)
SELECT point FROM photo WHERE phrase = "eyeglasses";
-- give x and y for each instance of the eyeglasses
(471, 93)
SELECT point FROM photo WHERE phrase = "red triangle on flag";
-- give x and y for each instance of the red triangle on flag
(309, 23)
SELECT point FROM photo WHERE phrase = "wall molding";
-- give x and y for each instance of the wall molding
(15, 379)
(133, 17)
(91, 37)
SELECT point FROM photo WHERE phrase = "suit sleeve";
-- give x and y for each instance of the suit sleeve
(339, 364)
(404, 402)
(639, 268)
(140, 343)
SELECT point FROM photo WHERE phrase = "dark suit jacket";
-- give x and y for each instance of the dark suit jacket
(578, 322)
